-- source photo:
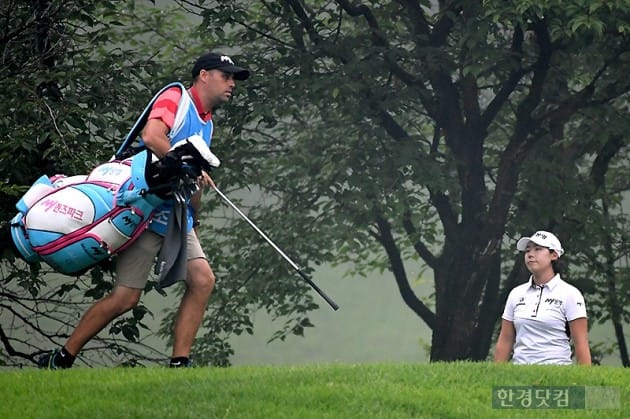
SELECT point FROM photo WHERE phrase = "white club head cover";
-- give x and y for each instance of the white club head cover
(202, 148)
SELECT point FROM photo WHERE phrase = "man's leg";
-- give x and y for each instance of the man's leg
(93, 321)
(121, 300)
(199, 286)
(132, 269)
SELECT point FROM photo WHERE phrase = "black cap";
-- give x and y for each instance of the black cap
(213, 60)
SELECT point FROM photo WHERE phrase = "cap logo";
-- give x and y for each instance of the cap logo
(225, 58)
(544, 236)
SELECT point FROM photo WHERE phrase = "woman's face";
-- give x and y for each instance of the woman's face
(538, 258)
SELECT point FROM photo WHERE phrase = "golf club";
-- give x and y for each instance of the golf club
(330, 302)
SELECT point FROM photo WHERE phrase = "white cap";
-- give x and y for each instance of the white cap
(541, 238)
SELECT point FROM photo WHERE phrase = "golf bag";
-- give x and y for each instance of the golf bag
(74, 223)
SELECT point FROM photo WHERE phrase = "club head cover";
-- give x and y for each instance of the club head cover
(194, 150)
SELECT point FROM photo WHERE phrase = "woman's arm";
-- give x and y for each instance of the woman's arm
(579, 335)
(505, 342)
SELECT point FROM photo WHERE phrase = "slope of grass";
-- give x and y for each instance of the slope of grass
(449, 390)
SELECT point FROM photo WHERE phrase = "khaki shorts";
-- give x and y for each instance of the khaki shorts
(135, 263)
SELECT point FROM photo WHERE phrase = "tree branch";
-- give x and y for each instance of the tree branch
(9, 348)
(418, 245)
(510, 83)
(380, 40)
(386, 239)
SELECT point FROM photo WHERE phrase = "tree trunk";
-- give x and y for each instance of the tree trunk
(467, 299)
(621, 341)
(614, 307)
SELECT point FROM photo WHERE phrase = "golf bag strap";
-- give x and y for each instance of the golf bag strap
(141, 122)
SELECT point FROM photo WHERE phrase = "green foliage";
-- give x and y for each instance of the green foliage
(384, 132)
(567, 18)
(129, 326)
(70, 87)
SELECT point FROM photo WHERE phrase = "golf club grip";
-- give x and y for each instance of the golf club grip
(321, 293)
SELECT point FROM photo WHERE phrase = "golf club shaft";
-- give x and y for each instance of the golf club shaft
(330, 302)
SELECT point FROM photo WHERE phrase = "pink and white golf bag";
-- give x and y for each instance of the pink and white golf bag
(74, 223)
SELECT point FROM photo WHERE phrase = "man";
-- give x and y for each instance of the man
(175, 115)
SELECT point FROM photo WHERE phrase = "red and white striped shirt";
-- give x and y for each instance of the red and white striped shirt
(165, 106)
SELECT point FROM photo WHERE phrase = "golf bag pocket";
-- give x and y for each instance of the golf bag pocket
(40, 188)
(70, 257)
(126, 221)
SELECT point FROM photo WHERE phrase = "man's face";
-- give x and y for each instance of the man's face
(217, 86)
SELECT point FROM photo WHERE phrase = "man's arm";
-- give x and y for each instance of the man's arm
(155, 137)
(161, 120)
(195, 203)
(195, 200)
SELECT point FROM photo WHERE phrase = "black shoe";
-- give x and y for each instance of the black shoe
(186, 363)
(49, 361)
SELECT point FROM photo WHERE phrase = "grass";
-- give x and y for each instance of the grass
(440, 390)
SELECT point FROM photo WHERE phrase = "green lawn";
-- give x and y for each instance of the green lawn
(440, 390)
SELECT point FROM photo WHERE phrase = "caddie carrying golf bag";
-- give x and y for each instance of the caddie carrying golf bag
(74, 223)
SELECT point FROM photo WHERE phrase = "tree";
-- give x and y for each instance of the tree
(609, 260)
(371, 133)
(384, 132)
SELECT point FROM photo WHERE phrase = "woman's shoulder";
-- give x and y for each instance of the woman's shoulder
(567, 287)
(521, 288)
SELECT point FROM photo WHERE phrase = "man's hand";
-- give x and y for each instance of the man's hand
(205, 180)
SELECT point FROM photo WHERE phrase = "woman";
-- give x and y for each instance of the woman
(542, 315)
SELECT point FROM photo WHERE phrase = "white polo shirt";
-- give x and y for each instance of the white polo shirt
(540, 315)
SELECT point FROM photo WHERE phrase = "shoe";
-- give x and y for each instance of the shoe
(48, 361)
(181, 364)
